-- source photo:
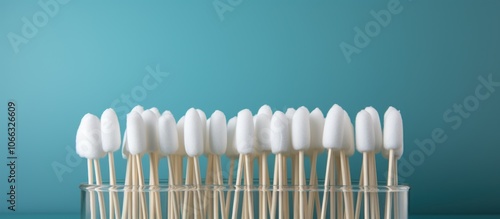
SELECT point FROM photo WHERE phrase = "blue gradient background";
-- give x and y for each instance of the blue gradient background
(285, 54)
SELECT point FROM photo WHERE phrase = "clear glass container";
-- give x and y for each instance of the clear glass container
(164, 201)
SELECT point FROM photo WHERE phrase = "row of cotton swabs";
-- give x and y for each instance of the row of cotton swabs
(295, 134)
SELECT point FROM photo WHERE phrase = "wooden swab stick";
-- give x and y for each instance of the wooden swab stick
(302, 183)
(98, 179)
(171, 181)
(91, 193)
(365, 185)
(220, 181)
(188, 181)
(152, 199)
(114, 207)
(390, 182)
(241, 164)
(275, 189)
(142, 195)
(230, 184)
(327, 184)
(249, 183)
(349, 210)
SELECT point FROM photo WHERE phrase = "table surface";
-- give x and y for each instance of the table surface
(66, 216)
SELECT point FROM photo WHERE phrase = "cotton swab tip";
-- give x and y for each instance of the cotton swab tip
(168, 136)
(280, 133)
(110, 131)
(88, 138)
(301, 129)
(393, 130)
(377, 128)
(193, 133)
(334, 128)
(245, 132)
(136, 136)
(217, 133)
(263, 131)
(317, 122)
(151, 127)
(231, 151)
(365, 136)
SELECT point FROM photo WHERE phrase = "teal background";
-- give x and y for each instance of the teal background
(281, 53)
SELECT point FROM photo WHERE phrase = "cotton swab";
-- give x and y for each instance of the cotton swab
(218, 144)
(207, 203)
(136, 138)
(129, 181)
(317, 122)
(333, 141)
(169, 144)
(377, 130)
(293, 154)
(365, 144)
(348, 150)
(194, 142)
(280, 144)
(111, 141)
(150, 119)
(262, 123)
(245, 146)
(393, 142)
(301, 141)
(89, 146)
(232, 154)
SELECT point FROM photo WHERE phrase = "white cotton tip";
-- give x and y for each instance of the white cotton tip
(155, 111)
(231, 151)
(88, 138)
(167, 112)
(180, 132)
(301, 129)
(262, 124)
(138, 109)
(317, 122)
(333, 131)
(203, 119)
(365, 136)
(217, 133)
(289, 115)
(377, 128)
(136, 134)
(151, 130)
(393, 130)
(348, 138)
(280, 133)
(168, 136)
(245, 132)
(125, 152)
(265, 109)
(193, 133)
(390, 109)
(110, 131)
